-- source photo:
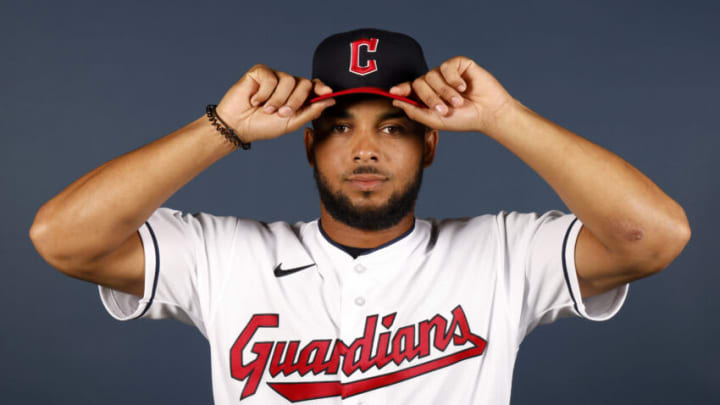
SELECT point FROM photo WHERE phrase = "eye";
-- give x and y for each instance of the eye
(339, 128)
(393, 129)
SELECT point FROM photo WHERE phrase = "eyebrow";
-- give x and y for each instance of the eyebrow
(347, 115)
(336, 113)
(393, 114)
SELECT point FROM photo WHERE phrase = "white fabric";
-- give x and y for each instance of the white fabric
(502, 274)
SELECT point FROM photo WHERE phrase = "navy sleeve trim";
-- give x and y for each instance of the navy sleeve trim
(564, 264)
(157, 271)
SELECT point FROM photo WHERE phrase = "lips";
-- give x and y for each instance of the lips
(366, 182)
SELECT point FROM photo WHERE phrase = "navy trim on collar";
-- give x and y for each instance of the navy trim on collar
(369, 250)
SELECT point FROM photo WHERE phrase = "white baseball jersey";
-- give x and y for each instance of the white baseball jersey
(434, 317)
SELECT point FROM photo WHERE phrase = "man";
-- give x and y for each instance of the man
(367, 303)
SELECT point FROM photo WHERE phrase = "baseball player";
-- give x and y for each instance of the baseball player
(366, 304)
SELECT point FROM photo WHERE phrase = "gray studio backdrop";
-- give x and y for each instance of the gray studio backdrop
(84, 82)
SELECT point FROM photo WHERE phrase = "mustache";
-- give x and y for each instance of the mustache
(367, 170)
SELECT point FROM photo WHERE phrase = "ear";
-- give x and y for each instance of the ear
(309, 139)
(431, 140)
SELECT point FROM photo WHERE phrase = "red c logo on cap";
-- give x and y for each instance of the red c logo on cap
(371, 45)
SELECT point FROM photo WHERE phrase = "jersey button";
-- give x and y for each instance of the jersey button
(360, 268)
(360, 301)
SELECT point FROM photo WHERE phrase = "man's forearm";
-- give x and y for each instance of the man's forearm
(100, 210)
(621, 206)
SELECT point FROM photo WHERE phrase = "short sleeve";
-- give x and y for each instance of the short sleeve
(180, 249)
(542, 249)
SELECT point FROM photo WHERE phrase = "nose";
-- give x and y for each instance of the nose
(365, 146)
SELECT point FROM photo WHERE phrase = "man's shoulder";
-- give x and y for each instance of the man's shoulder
(502, 215)
(486, 222)
(459, 222)
(210, 222)
(272, 228)
(459, 227)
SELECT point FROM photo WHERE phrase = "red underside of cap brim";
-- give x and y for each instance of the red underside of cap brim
(370, 90)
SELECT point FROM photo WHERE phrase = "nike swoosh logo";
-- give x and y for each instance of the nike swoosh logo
(280, 272)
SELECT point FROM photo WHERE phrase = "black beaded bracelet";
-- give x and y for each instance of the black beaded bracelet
(224, 129)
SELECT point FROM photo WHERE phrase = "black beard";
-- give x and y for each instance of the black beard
(341, 208)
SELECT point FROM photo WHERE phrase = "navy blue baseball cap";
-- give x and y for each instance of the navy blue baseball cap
(367, 60)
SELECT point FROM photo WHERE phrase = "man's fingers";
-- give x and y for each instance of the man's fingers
(321, 88)
(422, 115)
(441, 87)
(266, 82)
(296, 98)
(285, 86)
(309, 113)
(428, 96)
(451, 73)
(402, 89)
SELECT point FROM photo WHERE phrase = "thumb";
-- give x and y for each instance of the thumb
(309, 113)
(422, 115)
(403, 89)
(320, 88)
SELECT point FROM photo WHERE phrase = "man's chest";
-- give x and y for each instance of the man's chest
(354, 330)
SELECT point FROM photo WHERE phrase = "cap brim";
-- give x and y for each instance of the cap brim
(367, 90)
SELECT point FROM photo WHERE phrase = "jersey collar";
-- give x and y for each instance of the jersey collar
(392, 254)
(368, 251)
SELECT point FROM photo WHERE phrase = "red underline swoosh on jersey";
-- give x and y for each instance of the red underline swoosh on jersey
(302, 391)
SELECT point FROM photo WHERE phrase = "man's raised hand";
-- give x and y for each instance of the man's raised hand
(267, 103)
(459, 94)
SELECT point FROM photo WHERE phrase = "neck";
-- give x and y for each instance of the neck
(354, 237)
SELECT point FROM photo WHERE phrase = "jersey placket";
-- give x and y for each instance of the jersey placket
(358, 303)
(362, 287)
